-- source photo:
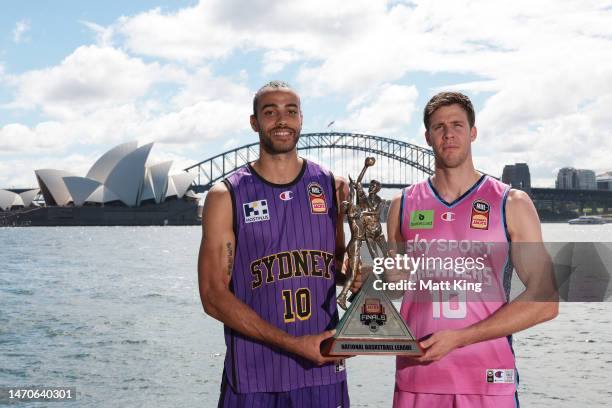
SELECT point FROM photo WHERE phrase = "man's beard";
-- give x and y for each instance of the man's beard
(451, 162)
(271, 147)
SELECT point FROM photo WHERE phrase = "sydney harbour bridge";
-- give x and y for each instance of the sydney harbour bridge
(398, 164)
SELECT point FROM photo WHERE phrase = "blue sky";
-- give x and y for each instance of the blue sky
(77, 78)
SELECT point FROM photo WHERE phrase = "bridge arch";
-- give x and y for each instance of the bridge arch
(405, 154)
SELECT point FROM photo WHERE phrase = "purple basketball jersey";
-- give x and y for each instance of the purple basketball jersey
(284, 270)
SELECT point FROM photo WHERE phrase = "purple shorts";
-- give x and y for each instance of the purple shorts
(320, 396)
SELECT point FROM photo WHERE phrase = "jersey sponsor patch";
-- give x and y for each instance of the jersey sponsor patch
(256, 211)
(286, 195)
(500, 376)
(421, 219)
(448, 216)
(316, 196)
(480, 215)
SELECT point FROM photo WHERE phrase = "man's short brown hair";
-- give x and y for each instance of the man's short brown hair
(446, 99)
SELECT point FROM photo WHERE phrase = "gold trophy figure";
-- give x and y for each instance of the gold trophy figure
(357, 214)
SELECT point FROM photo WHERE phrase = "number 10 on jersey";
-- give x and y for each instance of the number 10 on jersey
(449, 304)
(298, 304)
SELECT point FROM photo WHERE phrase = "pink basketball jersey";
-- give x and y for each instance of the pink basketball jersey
(471, 227)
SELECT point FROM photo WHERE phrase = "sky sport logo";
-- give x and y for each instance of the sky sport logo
(256, 211)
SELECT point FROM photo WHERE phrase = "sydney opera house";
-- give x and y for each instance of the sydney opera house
(121, 188)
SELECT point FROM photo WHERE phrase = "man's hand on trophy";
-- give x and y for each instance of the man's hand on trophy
(309, 347)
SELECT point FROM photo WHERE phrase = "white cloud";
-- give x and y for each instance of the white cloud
(543, 70)
(183, 128)
(582, 139)
(89, 78)
(19, 173)
(385, 111)
(21, 27)
(216, 28)
(104, 35)
(275, 60)
(202, 85)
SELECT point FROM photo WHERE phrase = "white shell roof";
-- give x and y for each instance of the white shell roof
(29, 196)
(147, 189)
(126, 178)
(52, 181)
(80, 188)
(9, 199)
(118, 175)
(159, 179)
(171, 190)
(182, 181)
(105, 164)
(102, 195)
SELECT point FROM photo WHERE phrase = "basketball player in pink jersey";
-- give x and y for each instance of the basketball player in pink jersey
(468, 359)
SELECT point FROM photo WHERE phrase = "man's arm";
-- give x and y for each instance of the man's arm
(215, 264)
(534, 268)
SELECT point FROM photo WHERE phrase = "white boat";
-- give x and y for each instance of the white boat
(587, 219)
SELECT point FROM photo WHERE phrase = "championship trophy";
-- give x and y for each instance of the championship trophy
(371, 324)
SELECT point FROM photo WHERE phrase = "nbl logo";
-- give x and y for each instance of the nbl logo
(373, 314)
(316, 196)
(480, 215)
(256, 211)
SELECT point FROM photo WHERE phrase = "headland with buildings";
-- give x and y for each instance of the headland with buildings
(577, 192)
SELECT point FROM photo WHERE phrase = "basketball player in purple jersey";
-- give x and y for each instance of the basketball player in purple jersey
(468, 360)
(271, 247)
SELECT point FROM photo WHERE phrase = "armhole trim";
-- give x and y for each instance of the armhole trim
(504, 222)
(401, 215)
(334, 193)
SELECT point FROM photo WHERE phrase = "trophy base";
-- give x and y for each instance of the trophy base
(337, 347)
(371, 326)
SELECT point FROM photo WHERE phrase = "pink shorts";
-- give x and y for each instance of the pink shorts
(404, 399)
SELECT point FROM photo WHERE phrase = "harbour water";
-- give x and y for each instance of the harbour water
(115, 312)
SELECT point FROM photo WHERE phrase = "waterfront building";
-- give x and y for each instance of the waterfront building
(604, 181)
(517, 176)
(569, 178)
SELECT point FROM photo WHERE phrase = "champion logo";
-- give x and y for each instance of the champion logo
(448, 216)
(286, 195)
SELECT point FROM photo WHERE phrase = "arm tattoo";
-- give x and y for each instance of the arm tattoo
(230, 258)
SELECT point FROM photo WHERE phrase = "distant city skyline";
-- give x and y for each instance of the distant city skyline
(77, 78)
